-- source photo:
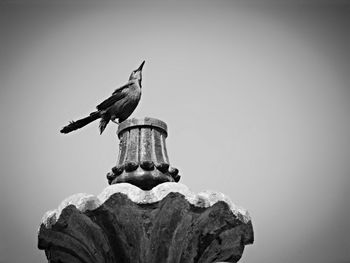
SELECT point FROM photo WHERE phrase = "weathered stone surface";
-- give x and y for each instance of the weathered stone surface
(127, 224)
(143, 159)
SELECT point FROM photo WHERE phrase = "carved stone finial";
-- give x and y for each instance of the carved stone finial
(143, 159)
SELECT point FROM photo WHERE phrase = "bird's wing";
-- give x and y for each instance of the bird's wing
(121, 88)
(116, 95)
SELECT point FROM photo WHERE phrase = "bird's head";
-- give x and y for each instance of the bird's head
(137, 73)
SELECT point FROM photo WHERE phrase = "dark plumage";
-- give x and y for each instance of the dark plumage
(119, 106)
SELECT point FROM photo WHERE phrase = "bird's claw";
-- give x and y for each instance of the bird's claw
(116, 122)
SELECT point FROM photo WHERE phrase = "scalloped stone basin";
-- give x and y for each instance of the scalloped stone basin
(127, 224)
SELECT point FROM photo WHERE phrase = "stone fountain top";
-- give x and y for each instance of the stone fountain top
(145, 215)
(84, 202)
(143, 158)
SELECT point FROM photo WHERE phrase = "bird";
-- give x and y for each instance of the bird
(117, 108)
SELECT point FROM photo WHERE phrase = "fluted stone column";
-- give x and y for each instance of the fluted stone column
(144, 215)
(143, 158)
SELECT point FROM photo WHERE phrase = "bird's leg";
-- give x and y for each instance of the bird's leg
(116, 122)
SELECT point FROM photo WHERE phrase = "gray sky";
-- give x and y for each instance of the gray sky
(255, 95)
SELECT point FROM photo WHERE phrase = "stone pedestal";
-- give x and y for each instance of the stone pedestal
(143, 158)
(145, 216)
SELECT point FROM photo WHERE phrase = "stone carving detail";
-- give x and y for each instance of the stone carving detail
(143, 159)
(145, 215)
(127, 224)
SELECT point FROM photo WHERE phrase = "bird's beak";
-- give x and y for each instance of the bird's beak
(141, 66)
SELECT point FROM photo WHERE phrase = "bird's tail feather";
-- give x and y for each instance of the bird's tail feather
(74, 125)
(103, 123)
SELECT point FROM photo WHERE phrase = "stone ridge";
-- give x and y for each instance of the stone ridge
(84, 202)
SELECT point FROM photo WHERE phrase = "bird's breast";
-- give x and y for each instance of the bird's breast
(134, 94)
(125, 107)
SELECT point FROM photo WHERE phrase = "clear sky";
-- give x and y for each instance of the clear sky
(255, 95)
